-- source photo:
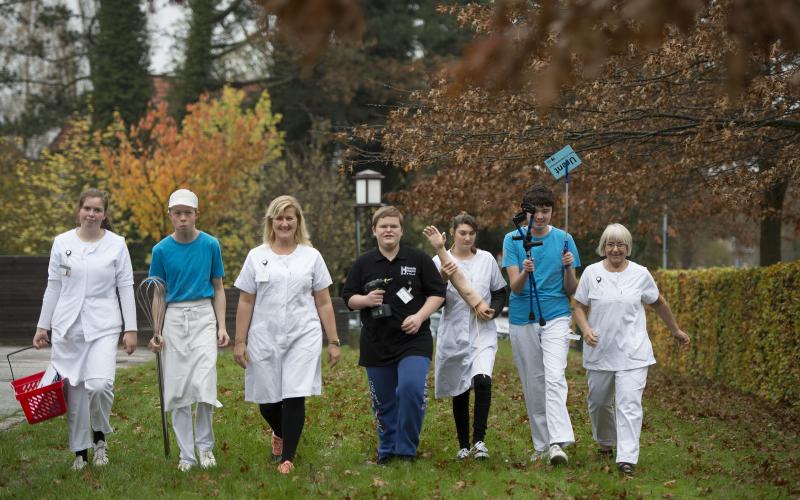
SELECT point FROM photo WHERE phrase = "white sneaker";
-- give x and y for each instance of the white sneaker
(479, 450)
(540, 455)
(79, 463)
(207, 459)
(463, 454)
(185, 465)
(100, 454)
(557, 455)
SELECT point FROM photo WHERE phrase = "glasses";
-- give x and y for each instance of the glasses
(611, 245)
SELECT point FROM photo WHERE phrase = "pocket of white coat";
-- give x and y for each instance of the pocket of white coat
(258, 347)
(262, 276)
(643, 351)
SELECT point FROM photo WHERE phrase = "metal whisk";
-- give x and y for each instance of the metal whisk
(151, 295)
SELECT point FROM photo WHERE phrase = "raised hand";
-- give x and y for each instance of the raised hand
(435, 238)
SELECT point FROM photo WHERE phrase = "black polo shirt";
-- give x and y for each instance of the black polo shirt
(382, 341)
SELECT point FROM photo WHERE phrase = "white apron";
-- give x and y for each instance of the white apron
(466, 347)
(190, 354)
(77, 359)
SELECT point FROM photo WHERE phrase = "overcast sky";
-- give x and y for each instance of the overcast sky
(164, 22)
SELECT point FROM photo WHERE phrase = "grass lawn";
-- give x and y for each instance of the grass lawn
(698, 440)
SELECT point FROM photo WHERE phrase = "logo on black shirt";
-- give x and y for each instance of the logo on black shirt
(408, 271)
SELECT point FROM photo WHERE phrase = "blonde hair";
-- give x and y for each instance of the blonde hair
(387, 211)
(275, 208)
(616, 232)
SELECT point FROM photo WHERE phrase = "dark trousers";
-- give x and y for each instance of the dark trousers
(286, 419)
(398, 399)
(483, 400)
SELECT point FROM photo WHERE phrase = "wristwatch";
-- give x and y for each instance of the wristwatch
(336, 342)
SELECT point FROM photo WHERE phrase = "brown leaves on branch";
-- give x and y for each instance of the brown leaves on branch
(312, 24)
(586, 34)
(565, 36)
(655, 128)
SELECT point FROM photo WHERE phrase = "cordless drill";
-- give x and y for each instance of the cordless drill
(383, 310)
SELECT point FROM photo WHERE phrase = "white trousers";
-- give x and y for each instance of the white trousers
(202, 433)
(88, 408)
(615, 407)
(540, 354)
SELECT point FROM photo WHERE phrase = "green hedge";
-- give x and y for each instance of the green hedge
(744, 325)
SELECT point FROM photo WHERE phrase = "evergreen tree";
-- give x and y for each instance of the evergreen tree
(209, 39)
(120, 62)
(195, 76)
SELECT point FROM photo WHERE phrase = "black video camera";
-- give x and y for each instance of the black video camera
(527, 240)
(383, 310)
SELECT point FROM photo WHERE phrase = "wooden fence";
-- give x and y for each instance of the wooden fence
(23, 281)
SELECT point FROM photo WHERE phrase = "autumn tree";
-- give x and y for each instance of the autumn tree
(221, 152)
(655, 129)
(39, 196)
(589, 33)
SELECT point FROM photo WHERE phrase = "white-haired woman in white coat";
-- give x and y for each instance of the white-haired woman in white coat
(609, 310)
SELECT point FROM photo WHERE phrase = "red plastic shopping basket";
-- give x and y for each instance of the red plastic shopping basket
(38, 403)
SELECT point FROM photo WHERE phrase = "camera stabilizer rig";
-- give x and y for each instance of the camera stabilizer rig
(527, 244)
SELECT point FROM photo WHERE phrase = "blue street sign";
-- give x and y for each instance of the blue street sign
(559, 162)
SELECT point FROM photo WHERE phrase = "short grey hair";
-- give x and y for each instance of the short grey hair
(615, 232)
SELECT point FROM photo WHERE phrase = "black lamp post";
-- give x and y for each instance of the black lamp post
(368, 194)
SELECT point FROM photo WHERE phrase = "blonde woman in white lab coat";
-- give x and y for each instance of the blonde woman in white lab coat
(88, 266)
(284, 306)
(466, 341)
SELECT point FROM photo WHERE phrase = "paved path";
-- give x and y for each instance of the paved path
(32, 361)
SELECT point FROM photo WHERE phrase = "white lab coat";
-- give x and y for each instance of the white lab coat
(466, 347)
(284, 341)
(617, 315)
(89, 275)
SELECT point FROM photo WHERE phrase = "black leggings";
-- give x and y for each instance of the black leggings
(286, 419)
(483, 400)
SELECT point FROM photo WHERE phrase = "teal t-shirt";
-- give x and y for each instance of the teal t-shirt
(188, 268)
(548, 273)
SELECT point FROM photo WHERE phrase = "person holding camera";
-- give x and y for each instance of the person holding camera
(540, 344)
(284, 306)
(396, 346)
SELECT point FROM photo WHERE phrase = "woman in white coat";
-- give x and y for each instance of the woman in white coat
(284, 305)
(88, 266)
(466, 340)
(609, 311)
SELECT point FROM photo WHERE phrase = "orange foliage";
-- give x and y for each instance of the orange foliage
(217, 153)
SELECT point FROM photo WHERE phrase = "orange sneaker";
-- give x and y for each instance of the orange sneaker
(286, 467)
(277, 446)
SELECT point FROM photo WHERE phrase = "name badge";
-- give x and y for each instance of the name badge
(262, 272)
(405, 295)
(64, 270)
